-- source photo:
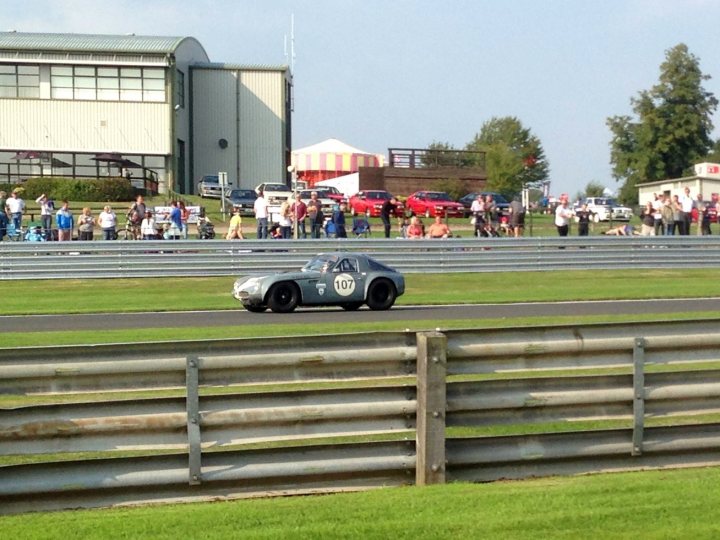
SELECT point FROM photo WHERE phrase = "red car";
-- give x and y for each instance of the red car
(330, 192)
(370, 203)
(434, 203)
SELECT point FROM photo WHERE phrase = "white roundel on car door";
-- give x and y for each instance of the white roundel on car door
(344, 284)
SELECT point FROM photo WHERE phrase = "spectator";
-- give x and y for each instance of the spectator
(65, 222)
(184, 217)
(517, 217)
(107, 221)
(415, 229)
(488, 231)
(285, 220)
(46, 212)
(657, 205)
(148, 228)
(668, 217)
(583, 218)
(490, 211)
(86, 223)
(647, 216)
(338, 219)
(478, 211)
(703, 210)
(438, 229)
(678, 218)
(174, 230)
(315, 215)
(299, 212)
(622, 230)
(15, 208)
(3, 215)
(389, 206)
(261, 215)
(686, 203)
(235, 226)
(562, 217)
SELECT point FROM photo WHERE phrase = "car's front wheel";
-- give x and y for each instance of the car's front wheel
(381, 295)
(283, 297)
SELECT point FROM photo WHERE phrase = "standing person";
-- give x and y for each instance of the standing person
(175, 215)
(235, 226)
(583, 216)
(299, 212)
(647, 217)
(148, 228)
(86, 223)
(478, 211)
(678, 218)
(15, 208)
(687, 203)
(517, 217)
(46, 214)
(285, 220)
(490, 211)
(703, 209)
(338, 219)
(184, 217)
(313, 207)
(657, 205)
(261, 215)
(3, 215)
(668, 219)
(389, 206)
(107, 221)
(65, 222)
(562, 218)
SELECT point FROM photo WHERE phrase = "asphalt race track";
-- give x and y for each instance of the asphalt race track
(326, 317)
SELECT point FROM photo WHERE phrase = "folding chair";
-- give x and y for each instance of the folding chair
(330, 231)
(361, 227)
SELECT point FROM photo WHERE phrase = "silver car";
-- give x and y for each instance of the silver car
(348, 280)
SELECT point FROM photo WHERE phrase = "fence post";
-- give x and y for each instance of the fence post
(638, 396)
(193, 421)
(431, 392)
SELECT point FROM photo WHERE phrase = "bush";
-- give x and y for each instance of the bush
(452, 186)
(74, 189)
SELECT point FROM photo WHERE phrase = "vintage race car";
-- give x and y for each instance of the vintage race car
(348, 280)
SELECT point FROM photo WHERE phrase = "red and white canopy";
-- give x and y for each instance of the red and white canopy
(330, 159)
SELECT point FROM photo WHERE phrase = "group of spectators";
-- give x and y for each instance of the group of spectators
(60, 224)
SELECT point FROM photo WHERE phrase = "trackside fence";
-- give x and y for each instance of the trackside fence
(84, 426)
(117, 259)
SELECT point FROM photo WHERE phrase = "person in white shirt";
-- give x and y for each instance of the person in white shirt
(686, 201)
(478, 211)
(261, 215)
(15, 208)
(147, 227)
(107, 220)
(46, 212)
(562, 218)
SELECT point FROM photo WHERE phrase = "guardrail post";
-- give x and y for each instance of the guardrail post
(193, 421)
(431, 398)
(638, 396)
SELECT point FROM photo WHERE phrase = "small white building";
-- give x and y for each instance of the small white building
(149, 107)
(706, 181)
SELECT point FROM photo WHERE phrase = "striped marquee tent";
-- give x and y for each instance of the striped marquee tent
(330, 159)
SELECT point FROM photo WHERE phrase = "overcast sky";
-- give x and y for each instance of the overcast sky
(382, 74)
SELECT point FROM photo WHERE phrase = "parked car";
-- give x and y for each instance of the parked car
(209, 186)
(275, 192)
(501, 203)
(327, 205)
(243, 199)
(434, 203)
(330, 192)
(607, 209)
(348, 280)
(370, 203)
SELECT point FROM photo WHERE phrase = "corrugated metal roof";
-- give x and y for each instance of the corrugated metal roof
(89, 43)
(240, 67)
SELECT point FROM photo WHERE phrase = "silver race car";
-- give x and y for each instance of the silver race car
(348, 280)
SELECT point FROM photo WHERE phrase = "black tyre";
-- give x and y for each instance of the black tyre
(283, 297)
(255, 309)
(351, 306)
(381, 295)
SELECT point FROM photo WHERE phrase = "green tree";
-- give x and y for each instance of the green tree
(671, 129)
(594, 189)
(514, 156)
(440, 154)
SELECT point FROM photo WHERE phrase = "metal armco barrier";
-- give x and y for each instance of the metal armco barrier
(100, 259)
(226, 418)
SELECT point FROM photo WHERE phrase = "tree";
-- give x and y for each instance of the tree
(594, 189)
(440, 154)
(672, 128)
(514, 156)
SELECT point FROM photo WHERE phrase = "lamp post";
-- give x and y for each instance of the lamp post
(293, 184)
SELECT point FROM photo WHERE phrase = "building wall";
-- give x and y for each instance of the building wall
(706, 186)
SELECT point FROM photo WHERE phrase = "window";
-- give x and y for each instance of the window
(180, 89)
(107, 83)
(19, 81)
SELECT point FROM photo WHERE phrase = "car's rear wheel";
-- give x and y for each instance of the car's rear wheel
(351, 306)
(255, 309)
(283, 297)
(381, 295)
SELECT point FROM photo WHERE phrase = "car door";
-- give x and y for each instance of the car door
(343, 283)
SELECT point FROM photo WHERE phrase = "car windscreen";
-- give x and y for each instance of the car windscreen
(210, 180)
(383, 195)
(243, 194)
(435, 196)
(499, 198)
(275, 187)
(319, 263)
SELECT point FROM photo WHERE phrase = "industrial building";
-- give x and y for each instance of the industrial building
(151, 108)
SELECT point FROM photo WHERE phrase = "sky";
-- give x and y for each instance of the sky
(406, 73)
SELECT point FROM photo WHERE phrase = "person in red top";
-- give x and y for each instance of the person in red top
(299, 213)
